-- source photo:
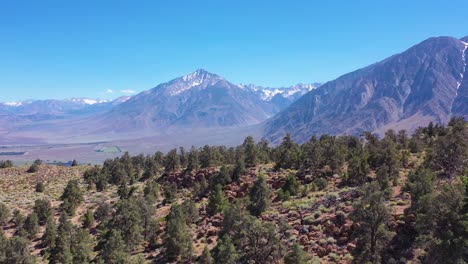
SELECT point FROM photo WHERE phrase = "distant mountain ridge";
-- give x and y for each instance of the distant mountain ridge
(424, 83)
(198, 100)
(61, 107)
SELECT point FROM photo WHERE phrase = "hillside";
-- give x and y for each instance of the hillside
(330, 200)
(423, 84)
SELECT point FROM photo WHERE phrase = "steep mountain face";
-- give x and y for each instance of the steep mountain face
(425, 83)
(198, 100)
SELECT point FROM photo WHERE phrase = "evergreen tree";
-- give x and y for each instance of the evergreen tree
(289, 154)
(217, 201)
(16, 250)
(183, 157)
(372, 216)
(88, 219)
(331, 152)
(31, 225)
(296, 256)
(61, 252)
(419, 184)
(250, 152)
(50, 235)
(450, 154)
(33, 168)
(206, 257)
(151, 192)
(4, 213)
(171, 161)
(239, 169)
(114, 249)
(225, 252)
(103, 212)
(81, 249)
(291, 185)
(259, 196)
(178, 240)
(6, 164)
(193, 161)
(128, 219)
(442, 224)
(72, 197)
(40, 187)
(74, 163)
(206, 157)
(43, 209)
(357, 169)
(312, 160)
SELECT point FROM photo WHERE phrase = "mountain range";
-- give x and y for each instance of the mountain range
(425, 83)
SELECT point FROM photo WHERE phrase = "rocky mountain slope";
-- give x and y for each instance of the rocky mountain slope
(199, 100)
(422, 84)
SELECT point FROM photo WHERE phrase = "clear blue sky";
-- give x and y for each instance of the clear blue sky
(62, 49)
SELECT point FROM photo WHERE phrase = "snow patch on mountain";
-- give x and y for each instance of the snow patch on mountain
(267, 93)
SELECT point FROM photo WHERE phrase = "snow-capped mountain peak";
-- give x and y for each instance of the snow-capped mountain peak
(267, 93)
(13, 104)
(88, 101)
(196, 78)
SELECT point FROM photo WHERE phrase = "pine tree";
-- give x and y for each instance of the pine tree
(291, 185)
(372, 216)
(357, 169)
(31, 225)
(239, 169)
(4, 213)
(419, 184)
(61, 252)
(296, 256)
(50, 235)
(171, 161)
(178, 241)
(217, 201)
(16, 250)
(88, 219)
(289, 154)
(114, 249)
(81, 249)
(206, 257)
(128, 220)
(250, 152)
(225, 252)
(72, 197)
(259, 196)
(43, 209)
(193, 161)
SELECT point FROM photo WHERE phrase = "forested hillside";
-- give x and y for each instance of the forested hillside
(333, 199)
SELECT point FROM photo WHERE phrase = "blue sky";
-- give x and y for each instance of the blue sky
(62, 49)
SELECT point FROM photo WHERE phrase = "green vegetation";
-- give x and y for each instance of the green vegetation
(394, 199)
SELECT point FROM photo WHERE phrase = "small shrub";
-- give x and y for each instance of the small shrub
(6, 164)
(334, 257)
(4, 213)
(40, 187)
(33, 168)
(321, 183)
(340, 217)
(309, 220)
(331, 240)
(317, 214)
(323, 242)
